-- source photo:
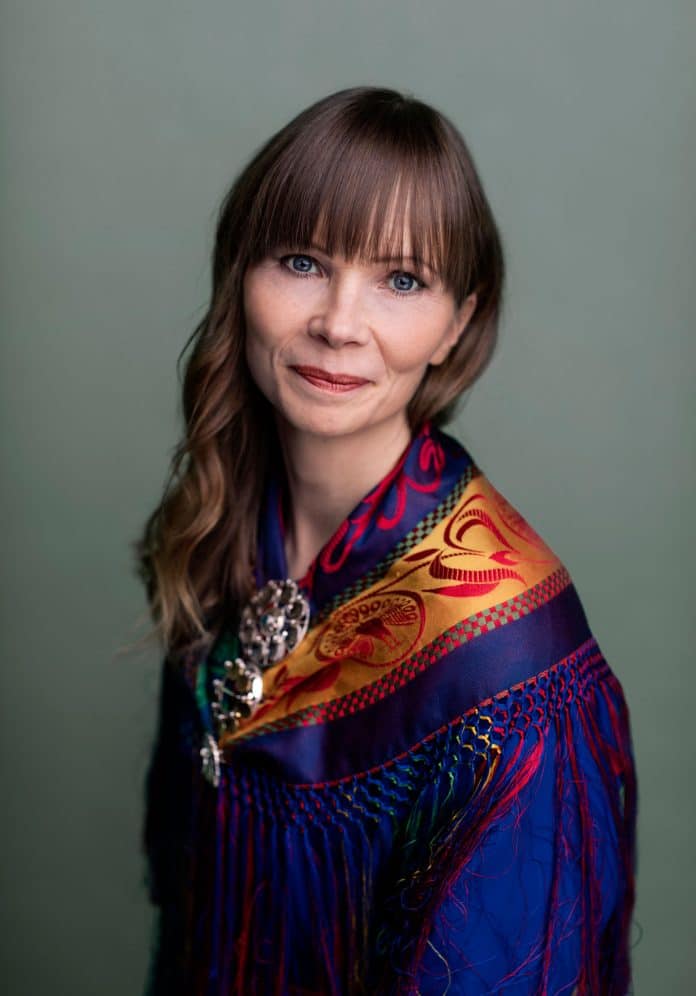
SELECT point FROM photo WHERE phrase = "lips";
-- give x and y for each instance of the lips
(330, 381)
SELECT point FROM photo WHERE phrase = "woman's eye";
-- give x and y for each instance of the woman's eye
(299, 263)
(405, 283)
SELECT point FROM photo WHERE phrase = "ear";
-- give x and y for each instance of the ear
(459, 323)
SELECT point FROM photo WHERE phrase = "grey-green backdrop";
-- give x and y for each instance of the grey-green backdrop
(123, 123)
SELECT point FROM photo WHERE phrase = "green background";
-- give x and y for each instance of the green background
(123, 124)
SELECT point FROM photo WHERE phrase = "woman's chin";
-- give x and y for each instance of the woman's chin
(328, 426)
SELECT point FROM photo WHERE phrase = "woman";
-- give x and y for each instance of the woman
(391, 756)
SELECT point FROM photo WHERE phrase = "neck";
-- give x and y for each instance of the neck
(327, 477)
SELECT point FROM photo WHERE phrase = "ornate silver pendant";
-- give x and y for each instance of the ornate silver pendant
(272, 624)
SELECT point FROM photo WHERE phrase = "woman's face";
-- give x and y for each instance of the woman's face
(336, 346)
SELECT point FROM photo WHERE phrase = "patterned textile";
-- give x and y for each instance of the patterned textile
(437, 794)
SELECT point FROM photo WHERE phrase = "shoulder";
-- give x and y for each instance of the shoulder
(498, 605)
(492, 547)
(486, 522)
(486, 562)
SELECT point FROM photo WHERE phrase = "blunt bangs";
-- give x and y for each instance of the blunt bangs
(361, 186)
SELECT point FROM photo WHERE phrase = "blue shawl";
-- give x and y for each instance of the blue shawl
(438, 793)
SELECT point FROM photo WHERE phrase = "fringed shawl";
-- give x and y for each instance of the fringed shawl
(438, 794)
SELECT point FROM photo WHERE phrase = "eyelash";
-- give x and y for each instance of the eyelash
(421, 285)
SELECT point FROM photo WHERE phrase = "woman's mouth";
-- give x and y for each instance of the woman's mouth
(333, 382)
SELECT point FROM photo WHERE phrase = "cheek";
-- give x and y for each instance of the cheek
(258, 327)
(259, 302)
(411, 351)
(267, 319)
(257, 357)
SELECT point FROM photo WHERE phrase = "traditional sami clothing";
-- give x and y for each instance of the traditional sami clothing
(437, 793)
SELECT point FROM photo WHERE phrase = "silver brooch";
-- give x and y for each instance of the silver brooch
(272, 624)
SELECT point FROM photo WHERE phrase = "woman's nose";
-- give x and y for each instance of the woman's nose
(340, 318)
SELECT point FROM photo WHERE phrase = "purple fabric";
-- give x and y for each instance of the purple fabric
(470, 832)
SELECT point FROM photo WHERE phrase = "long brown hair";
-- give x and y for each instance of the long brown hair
(336, 168)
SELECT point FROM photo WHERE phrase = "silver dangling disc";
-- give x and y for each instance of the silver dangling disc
(210, 760)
